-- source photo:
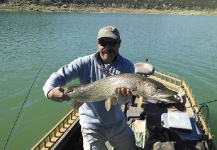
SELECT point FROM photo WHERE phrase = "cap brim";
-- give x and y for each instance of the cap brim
(108, 36)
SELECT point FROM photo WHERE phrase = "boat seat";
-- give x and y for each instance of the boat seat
(186, 128)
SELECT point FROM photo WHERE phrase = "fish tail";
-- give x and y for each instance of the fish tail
(69, 91)
(71, 88)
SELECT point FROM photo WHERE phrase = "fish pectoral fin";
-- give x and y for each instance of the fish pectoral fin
(75, 105)
(108, 103)
(139, 103)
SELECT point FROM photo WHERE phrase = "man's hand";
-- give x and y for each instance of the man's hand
(125, 92)
(57, 94)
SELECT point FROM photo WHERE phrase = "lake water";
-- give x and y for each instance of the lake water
(183, 46)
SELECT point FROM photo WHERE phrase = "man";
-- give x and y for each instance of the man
(98, 124)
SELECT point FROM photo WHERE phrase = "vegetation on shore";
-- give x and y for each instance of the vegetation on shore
(192, 7)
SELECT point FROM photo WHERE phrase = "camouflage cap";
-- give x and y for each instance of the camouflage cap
(109, 31)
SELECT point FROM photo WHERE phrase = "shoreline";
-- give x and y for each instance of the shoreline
(17, 7)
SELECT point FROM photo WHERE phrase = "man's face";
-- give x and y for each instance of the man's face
(108, 49)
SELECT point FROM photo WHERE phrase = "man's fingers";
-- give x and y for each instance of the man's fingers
(125, 92)
(129, 93)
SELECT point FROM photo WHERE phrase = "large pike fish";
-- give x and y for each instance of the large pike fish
(106, 89)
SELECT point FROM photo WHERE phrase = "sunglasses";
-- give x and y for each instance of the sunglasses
(110, 43)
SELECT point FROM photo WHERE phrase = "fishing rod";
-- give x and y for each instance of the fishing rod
(203, 103)
(208, 102)
(18, 115)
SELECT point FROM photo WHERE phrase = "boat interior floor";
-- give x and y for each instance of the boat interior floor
(157, 136)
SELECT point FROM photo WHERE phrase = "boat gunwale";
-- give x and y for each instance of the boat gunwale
(182, 84)
(168, 80)
(69, 120)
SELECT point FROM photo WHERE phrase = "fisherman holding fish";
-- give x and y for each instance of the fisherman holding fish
(98, 125)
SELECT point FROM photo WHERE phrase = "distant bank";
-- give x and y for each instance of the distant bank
(71, 8)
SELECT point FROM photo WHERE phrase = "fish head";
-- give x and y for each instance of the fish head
(155, 90)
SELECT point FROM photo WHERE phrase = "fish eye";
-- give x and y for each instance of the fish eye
(159, 90)
(160, 87)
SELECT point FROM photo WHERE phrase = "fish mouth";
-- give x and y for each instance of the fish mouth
(168, 97)
(161, 96)
(164, 94)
